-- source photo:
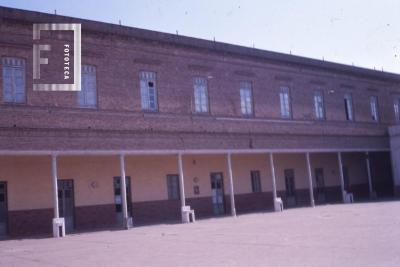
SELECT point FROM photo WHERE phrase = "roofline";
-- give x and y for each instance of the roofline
(185, 151)
(219, 47)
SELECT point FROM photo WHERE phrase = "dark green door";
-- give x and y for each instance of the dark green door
(3, 209)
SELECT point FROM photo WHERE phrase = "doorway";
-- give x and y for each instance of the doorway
(118, 198)
(3, 209)
(290, 187)
(217, 193)
(320, 183)
(66, 203)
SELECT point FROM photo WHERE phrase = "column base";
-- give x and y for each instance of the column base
(373, 195)
(58, 227)
(186, 213)
(128, 223)
(278, 204)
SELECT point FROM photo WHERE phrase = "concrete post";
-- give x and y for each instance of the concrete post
(57, 223)
(182, 187)
(55, 186)
(339, 154)
(369, 174)
(271, 163)
(233, 208)
(125, 218)
(310, 182)
(278, 205)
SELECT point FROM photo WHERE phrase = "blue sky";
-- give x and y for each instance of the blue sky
(366, 33)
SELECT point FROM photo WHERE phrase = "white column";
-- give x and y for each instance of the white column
(233, 208)
(182, 187)
(55, 186)
(369, 174)
(310, 183)
(339, 154)
(123, 193)
(271, 163)
(57, 223)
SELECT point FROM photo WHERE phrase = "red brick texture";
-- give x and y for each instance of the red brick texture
(30, 222)
(254, 202)
(153, 212)
(333, 195)
(93, 217)
(53, 120)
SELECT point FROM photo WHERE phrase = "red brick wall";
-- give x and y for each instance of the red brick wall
(119, 58)
(30, 222)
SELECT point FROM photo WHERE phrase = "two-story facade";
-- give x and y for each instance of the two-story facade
(222, 128)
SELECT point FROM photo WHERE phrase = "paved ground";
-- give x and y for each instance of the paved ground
(332, 235)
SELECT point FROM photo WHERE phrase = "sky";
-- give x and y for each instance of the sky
(365, 33)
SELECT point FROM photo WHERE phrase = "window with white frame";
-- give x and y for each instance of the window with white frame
(284, 97)
(148, 90)
(348, 106)
(373, 101)
(200, 94)
(87, 96)
(13, 80)
(396, 108)
(319, 105)
(246, 98)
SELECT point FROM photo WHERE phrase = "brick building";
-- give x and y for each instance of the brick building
(224, 129)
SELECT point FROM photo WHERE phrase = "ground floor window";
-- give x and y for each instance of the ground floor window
(173, 186)
(255, 181)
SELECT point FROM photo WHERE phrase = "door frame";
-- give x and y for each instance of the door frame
(319, 189)
(6, 200)
(73, 201)
(223, 192)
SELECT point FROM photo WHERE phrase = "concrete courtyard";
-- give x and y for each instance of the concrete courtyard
(366, 234)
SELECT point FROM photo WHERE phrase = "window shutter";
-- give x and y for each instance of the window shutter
(8, 95)
(19, 85)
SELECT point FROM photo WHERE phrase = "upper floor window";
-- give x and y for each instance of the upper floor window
(348, 106)
(13, 80)
(319, 105)
(87, 96)
(373, 101)
(396, 108)
(246, 98)
(200, 94)
(148, 90)
(284, 97)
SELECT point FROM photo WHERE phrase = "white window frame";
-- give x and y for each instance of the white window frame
(246, 98)
(200, 95)
(349, 109)
(148, 91)
(284, 100)
(373, 101)
(87, 96)
(13, 71)
(319, 105)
